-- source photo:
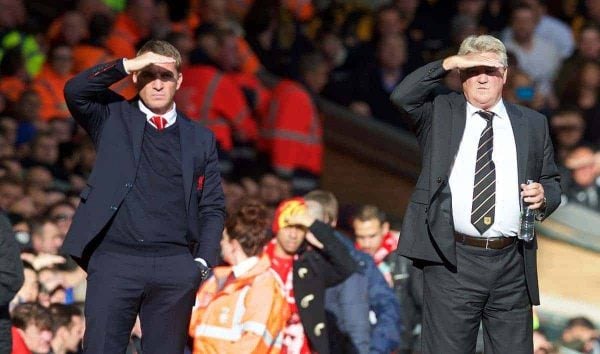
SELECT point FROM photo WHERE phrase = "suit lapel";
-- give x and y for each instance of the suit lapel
(186, 136)
(137, 130)
(520, 129)
(459, 119)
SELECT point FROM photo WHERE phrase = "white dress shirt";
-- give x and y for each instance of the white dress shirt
(462, 175)
(244, 266)
(170, 116)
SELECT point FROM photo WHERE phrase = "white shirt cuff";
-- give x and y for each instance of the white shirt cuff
(201, 261)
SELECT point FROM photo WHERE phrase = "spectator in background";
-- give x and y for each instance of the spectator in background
(372, 89)
(51, 80)
(245, 299)
(582, 335)
(307, 263)
(537, 57)
(32, 329)
(11, 191)
(374, 237)
(27, 112)
(11, 279)
(584, 166)
(61, 213)
(46, 237)
(567, 127)
(520, 89)
(363, 311)
(130, 27)
(584, 92)
(291, 132)
(548, 28)
(68, 327)
(588, 49)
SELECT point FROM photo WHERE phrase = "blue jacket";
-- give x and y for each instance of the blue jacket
(352, 300)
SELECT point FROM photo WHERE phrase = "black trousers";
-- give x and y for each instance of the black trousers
(487, 286)
(160, 289)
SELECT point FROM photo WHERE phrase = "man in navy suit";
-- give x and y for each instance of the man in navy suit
(148, 227)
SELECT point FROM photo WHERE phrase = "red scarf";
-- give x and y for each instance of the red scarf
(294, 340)
(389, 244)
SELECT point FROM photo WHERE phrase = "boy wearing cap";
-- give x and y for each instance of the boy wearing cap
(307, 265)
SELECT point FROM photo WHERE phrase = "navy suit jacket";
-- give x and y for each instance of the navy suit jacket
(428, 230)
(116, 127)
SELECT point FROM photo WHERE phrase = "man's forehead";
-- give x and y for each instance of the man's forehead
(160, 68)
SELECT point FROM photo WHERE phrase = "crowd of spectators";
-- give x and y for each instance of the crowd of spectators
(269, 132)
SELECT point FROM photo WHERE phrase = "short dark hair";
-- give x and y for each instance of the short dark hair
(249, 226)
(31, 313)
(580, 321)
(163, 48)
(62, 315)
(328, 202)
(370, 212)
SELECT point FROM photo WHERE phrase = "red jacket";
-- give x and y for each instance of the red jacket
(18, 344)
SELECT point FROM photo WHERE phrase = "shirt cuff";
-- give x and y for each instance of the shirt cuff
(124, 67)
(201, 261)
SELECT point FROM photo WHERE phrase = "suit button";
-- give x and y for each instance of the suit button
(113, 207)
(305, 302)
(128, 185)
(319, 329)
(302, 272)
(439, 180)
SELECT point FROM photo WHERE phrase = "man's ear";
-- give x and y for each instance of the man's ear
(179, 80)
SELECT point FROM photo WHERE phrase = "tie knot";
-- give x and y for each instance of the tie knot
(159, 122)
(486, 115)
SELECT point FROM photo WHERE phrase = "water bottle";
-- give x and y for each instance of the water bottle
(527, 231)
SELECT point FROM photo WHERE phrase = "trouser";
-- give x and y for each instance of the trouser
(486, 286)
(161, 290)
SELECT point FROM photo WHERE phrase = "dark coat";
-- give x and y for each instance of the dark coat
(116, 127)
(314, 271)
(11, 279)
(427, 231)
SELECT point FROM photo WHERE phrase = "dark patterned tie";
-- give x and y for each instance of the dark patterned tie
(484, 186)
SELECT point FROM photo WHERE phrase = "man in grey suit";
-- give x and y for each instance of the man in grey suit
(462, 224)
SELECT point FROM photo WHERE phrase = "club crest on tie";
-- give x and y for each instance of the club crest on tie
(487, 220)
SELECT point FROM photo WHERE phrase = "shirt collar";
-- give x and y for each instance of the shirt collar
(244, 266)
(499, 110)
(170, 116)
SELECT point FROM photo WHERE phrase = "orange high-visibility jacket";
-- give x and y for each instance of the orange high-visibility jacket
(124, 36)
(209, 96)
(50, 85)
(291, 132)
(246, 316)
(86, 55)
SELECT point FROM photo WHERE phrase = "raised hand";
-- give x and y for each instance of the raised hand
(149, 58)
(471, 60)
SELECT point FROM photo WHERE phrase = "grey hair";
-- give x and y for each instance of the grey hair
(482, 44)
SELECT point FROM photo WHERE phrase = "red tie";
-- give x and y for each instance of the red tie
(159, 122)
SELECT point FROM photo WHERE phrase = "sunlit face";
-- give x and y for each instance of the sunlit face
(369, 234)
(36, 339)
(75, 333)
(482, 85)
(157, 85)
(290, 238)
(48, 240)
(227, 248)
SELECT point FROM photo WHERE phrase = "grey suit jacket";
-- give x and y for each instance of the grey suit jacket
(439, 120)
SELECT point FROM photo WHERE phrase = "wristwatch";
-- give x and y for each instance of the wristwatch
(203, 267)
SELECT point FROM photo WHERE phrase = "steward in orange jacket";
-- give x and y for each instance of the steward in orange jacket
(49, 84)
(244, 314)
(207, 95)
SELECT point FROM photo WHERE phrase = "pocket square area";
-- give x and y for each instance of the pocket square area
(200, 184)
